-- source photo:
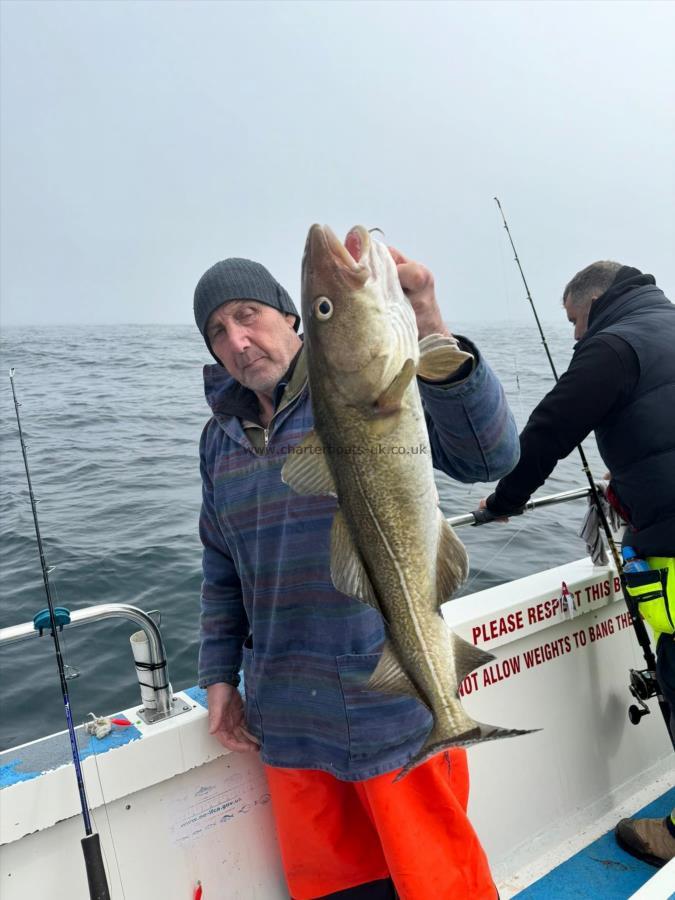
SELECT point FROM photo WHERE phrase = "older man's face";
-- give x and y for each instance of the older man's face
(578, 316)
(255, 342)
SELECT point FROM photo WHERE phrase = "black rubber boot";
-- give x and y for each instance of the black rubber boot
(374, 890)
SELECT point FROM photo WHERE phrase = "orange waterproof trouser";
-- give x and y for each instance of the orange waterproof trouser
(336, 834)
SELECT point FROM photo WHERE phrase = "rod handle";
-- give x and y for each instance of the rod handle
(93, 861)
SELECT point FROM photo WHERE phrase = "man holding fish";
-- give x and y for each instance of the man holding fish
(326, 560)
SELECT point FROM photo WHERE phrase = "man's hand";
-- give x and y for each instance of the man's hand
(418, 285)
(226, 718)
(483, 505)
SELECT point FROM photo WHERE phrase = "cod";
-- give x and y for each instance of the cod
(391, 546)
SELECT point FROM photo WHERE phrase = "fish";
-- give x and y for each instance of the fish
(391, 546)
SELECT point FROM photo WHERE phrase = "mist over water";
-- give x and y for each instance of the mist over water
(112, 417)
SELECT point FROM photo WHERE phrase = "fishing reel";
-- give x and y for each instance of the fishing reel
(643, 685)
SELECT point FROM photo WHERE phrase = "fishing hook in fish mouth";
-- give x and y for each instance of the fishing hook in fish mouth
(379, 230)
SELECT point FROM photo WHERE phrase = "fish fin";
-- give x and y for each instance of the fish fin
(452, 562)
(440, 357)
(389, 400)
(437, 742)
(467, 657)
(390, 677)
(346, 565)
(306, 469)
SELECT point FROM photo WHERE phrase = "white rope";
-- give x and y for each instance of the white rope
(99, 726)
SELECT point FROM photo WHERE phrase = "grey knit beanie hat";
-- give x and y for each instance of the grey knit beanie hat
(238, 279)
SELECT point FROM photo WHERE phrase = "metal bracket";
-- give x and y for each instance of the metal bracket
(151, 717)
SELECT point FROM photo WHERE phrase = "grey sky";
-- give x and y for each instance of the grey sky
(142, 141)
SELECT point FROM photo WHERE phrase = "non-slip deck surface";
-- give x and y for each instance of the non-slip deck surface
(602, 870)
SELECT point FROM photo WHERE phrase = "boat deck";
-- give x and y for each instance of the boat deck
(602, 869)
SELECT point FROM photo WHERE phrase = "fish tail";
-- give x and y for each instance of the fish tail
(439, 740)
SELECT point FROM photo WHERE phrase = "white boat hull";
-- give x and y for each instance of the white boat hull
(179, 809)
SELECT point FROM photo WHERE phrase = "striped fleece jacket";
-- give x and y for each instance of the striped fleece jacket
(268, 603)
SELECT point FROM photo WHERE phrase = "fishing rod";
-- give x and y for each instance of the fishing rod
(637, 678)
(91, 845)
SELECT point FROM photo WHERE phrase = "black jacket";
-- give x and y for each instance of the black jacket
(620, 383)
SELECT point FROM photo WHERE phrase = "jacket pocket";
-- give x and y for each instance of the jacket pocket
(376, 721)
(650, 591)
(253, 717)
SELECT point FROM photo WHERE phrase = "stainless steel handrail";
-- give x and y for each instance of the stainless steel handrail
(563, 497)
(159, 672)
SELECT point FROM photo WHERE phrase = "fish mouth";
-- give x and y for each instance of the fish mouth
(349, 262)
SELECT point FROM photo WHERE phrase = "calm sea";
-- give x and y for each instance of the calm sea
(112, 418)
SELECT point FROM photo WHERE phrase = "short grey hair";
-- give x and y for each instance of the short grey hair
(591, 282)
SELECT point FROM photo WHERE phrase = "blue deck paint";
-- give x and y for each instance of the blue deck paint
(602, 869)
(197, 694)
(31, 761)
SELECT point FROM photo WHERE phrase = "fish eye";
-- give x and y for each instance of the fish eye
(323, 308)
